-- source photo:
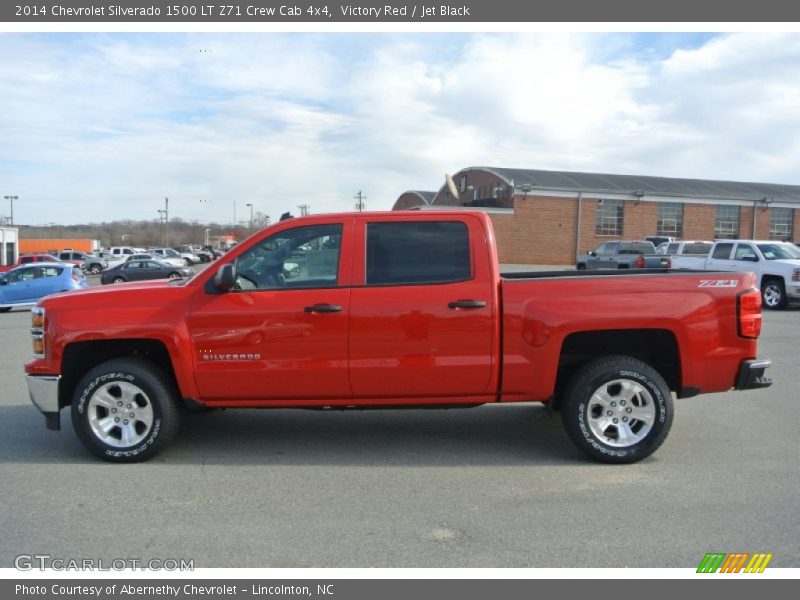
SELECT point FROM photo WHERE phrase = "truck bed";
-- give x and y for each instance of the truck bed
(513, 275)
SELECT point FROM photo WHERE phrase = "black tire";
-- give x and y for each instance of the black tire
(188, 262)
(174, 275)
(773, 294)
(95, 269)
(600, 406)
(580, 267)
(135, 386)
(118, 280)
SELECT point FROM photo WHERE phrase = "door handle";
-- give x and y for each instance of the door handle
(323, 308)
(467, 304)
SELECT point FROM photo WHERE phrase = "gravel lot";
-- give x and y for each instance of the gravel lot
(486, 487)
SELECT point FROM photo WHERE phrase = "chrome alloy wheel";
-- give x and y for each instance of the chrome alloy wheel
(621, 413)
(772, 295)
(120, 414)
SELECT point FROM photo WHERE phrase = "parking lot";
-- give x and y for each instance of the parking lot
(495, 486)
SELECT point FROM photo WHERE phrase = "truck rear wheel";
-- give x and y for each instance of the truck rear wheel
(124, 410)
(617, 409)
(773, 294)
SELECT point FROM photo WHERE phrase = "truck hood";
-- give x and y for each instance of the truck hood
(120, 295)
(789, 262)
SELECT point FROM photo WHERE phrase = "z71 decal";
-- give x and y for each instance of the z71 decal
(718, 283)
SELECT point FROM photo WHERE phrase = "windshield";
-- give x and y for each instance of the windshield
(779, 251)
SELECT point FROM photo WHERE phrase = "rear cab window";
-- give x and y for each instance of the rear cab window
(637, 248)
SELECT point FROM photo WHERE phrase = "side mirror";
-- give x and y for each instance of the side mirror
(3, 282)
(750, 258)
(225, 278)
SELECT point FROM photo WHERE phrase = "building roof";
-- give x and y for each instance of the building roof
(628, 184)
(426, 197)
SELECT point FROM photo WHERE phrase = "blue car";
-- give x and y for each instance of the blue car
(25, 285)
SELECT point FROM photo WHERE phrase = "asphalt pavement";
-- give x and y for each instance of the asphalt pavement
(494, 486)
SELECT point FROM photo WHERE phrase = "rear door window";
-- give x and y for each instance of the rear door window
(722, 251)
(416, 252)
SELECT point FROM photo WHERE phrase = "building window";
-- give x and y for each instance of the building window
(608, 220)
(726, 222)
(670, 219)
(781, 221)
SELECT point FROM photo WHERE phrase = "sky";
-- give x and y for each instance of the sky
(97, 127)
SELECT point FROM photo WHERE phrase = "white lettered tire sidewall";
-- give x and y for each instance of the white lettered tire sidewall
(152, 381)
(590, 378)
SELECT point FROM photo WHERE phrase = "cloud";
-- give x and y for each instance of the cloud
(103, 126)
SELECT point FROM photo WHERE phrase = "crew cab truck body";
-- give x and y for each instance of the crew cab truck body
(776, 266)
(622, 255)
(389, 310)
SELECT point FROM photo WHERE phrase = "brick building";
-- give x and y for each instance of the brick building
(549, 217)
(413, 199)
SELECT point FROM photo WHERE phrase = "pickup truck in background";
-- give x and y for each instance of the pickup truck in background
(27, 259)
(392, 310)
(776, 266)
(88, 262)
(622, 255)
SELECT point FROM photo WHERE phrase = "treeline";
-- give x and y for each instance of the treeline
(144, 234)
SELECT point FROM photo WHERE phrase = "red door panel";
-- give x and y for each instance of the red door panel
(283, 334)
(264, 345)
(406, 340)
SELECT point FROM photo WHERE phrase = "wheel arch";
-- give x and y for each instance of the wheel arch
(81, 357)
(658, 348)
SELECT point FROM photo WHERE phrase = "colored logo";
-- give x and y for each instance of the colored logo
(737, 562)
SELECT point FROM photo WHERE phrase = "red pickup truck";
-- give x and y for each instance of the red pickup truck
(389, 310)
(27, 259)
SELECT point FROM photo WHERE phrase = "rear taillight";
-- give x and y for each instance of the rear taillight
(640, 262)
(667, 263)
(37, 330)
(748, 313)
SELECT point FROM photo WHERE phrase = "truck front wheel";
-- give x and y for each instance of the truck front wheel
(124, 410)
(617, 409)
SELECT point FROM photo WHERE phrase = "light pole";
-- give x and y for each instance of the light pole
(166, 222)
(162, 217)
(251, 214)
(11, 199)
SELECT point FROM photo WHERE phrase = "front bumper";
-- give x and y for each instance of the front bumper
(793, 292)
(43, 390)
(751, 375)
